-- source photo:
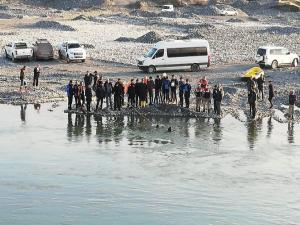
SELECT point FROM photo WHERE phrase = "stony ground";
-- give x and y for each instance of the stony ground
(115, 38)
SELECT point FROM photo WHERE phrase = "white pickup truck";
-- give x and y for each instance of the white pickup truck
(71, 51)
(18, 50)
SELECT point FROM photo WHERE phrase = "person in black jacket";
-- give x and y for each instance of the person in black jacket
(260, 85)
(292, 101)
(100, 94)
(157, 86)
(271, 94)
(87, 79)
(218, 99)
(174, 85)
(88, 97)
(36, 75)
(187, 93)
(131, 93)
(108, 93)
(150, 86)
(181, 88)
(76, 94)
(252, 101)
(118, 92)
(215, 91)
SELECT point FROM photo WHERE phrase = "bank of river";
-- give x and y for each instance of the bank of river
(57, 168)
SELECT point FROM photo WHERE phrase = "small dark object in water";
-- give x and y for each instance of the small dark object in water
(157, 126)
(169, 129)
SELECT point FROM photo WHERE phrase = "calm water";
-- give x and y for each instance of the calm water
(61, 169)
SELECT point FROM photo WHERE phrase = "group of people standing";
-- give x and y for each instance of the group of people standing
(255, 88)
(36, 75)
(140, 92)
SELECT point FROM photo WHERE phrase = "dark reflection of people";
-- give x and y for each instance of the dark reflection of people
(23, 112)
(270, 126)
(217, 131)
(199, 126)
(88, 128)
(252, 133)
(70, 126)
(37, 107)
(79, 125)
(99, 127)
(291, 139)
(118, 127)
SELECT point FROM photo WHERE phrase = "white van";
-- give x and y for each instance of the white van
(176, 55)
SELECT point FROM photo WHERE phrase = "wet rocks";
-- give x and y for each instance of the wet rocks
(150, 37)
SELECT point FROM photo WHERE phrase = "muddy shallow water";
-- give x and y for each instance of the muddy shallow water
(57, 168)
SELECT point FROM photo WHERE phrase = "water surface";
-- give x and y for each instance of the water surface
(57, 168)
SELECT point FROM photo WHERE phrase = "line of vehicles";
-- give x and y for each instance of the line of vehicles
(165, 55)
(42, 49)
(191, 54)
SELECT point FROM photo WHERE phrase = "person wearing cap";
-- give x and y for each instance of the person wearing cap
(292, 101)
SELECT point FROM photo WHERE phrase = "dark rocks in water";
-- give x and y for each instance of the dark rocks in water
(7, 33)
(169, 129)
(51, 25)
(82, 17)
(149, 38)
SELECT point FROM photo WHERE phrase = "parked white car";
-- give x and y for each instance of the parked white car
(176, 55)
(18, 50)
(271, 56)
(167, 8)
(226, 10)
(71, 51)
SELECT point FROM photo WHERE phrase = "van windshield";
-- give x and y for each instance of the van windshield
(150, 53)
(166, 7)
(261, 52)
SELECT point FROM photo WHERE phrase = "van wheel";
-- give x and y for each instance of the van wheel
(295, 63)
(68, 59)
(274, 64)
(151, 69)
(195, 67)
(83, 60)
(13, 58)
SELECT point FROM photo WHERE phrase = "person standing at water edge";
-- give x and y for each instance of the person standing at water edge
(36, 75)
(157, 84)
(181, 88)
(174, 85)
(131, 93)
(218, 99)
(118, 92)
(22, 78)
(108, 93)
(260, 85)
(70, 94)
(150, 86)
(76, 94)
(215, 92)
(271, 94)
(252, 102)
(198, 98)
(143, 94)
(100, 94)
(88, 97)
(292, 101)
(187, 93)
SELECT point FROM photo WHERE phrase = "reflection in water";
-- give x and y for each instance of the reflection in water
(270, 127)
(291, 139)
(253, 129)
(217, 131)
(23, 112)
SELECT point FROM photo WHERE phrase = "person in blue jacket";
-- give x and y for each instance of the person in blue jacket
(70, 94)
(165, 88)
(187, 93)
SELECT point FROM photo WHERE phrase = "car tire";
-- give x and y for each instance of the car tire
(13, 58)
(6, 55)
(295, 63)
(83, 60)
(151, 69)
(274, 64)
(68, 59)
(195, 67)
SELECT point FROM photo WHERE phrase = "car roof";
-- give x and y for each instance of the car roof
(272, 47)
(181, 43)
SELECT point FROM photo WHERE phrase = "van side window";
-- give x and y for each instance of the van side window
(186, 52)
(159, 53)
